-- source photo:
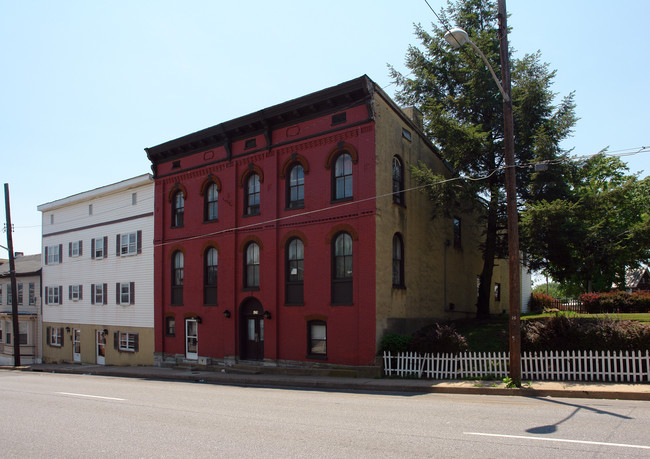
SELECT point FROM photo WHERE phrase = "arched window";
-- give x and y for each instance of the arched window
(211, 197)
(178, 209)
(398, 181)
(295, 256)
(210, 276)
(296, 187)
(252, 266)
(252, 195)
(398, 261)
(342, 178)
(178, 264)
(342, 269)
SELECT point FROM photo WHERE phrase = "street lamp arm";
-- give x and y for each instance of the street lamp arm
(496, 80)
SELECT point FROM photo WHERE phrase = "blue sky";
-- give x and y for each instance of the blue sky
(87, 85)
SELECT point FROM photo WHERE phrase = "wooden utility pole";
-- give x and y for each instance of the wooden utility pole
(14, 290)
(514, 329)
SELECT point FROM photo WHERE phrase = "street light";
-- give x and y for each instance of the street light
(456, 38)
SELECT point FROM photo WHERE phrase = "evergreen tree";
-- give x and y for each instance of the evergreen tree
(463, 116)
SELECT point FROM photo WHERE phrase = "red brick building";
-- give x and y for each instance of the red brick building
(286, 235)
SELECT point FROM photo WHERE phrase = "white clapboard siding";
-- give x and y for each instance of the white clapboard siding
(628, 366)
(113, 213)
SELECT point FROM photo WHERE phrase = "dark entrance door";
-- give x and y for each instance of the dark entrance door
(251, 330)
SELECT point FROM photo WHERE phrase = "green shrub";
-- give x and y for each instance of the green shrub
(439, 338)
(616, 301)
(395, 343)
(540, 301)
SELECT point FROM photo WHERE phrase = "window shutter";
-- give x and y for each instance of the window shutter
(46, 294)
(69, 249)
(105, 293)
(60, 294)
(48, 335)
(117, 245)
(81, 292)
(81, 248)
(69, 292)
(116, 340)
(60, 343)
(132, 292)
(92, 293)
(105, 246)
(136, 342)
(60, 253)
(139, 239)
(92, 249)
(45, 255)
(117, 293)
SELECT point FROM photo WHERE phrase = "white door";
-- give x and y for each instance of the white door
(191, 339)
(76, 345)
(101, 347)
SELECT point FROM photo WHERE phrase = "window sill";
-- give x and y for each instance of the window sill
(210, 305)
(174, 227)
(177, 304)
(132, 351)
(295, 207)
(336, 201)
(399, 287)
(210, 221)
(295, 304)
(341, 304)
(254, 214)
(251, 289)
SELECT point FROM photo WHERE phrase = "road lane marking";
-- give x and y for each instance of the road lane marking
(600, 443)
(91, 396)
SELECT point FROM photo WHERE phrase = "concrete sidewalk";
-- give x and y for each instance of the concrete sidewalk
(570, 389)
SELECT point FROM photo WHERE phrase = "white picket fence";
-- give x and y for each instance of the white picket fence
(628, 366)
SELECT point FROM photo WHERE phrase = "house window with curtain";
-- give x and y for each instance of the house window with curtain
(252, 266)
(296, 187)
(342, 269)
(316, 339)
(210, 276)
(178, 263)
(178, 209)
(211, 198)
(252, 197)
(294, 272)
(342, 177)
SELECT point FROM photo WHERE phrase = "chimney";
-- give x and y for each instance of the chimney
(415, 115)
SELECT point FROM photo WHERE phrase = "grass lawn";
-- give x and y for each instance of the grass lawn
(491, 335)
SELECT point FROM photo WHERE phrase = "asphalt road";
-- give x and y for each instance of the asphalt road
(44, 414)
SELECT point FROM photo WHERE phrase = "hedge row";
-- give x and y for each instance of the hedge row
(609, 302)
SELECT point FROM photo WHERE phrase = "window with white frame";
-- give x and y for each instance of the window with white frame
(128, 341)
(9, 296)
(98, 294)
(19, 294)
(53, 254)
(75, 249)
(75, 292)
(129, 244)
(125, 293)
(53, 295)
(32, 294)
(55, 336)
(99, 247)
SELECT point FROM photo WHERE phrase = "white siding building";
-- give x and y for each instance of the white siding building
(28, 283)
(98, 275)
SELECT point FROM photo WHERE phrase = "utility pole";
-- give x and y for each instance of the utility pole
(514, 329)
(12, 271)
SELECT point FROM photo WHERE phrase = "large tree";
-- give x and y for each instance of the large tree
(463, 115)
(588, 238)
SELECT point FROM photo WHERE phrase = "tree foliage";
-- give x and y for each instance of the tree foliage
(588, 238)
(463, 115)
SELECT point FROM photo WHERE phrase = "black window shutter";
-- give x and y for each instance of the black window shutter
(117, 245)
(46, 292)
(139, 241)
(60, 253)
(136, 342)
(81, 248)
(117, 293)
(105, 294)
(116, 340)
(92, 249)
(69, 249)
(45, 255)
(132, 292)
(69, 292)
(92, 293)
(60, 294)
(61, 335)
(81, 292)
(105, 246)
(48, 335)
